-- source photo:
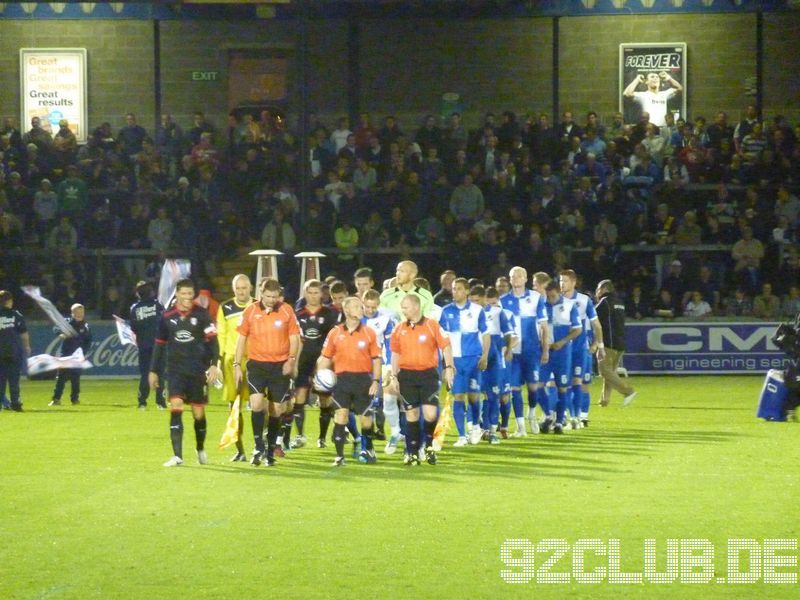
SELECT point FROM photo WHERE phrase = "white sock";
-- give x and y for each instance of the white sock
(392, 412)
(520, 423)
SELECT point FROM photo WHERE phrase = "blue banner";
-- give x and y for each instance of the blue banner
(701, 348)
(109, 357)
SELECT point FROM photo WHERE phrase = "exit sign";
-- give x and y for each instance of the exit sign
(204, 75)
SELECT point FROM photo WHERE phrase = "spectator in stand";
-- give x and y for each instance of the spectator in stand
(365, 177)
(637, 306)
(350, 151)
(675, 281)
(170, 143)
(200, 125)
(131, 137)
(466, 202)
(340, 134)
(65, 145)
(665, 306)
(787, 205)
(662, 227)
(346, 238)
(593, 143)
(429, 135)
(430, 231)
(45, 208)
(767, 305)
(697, 307)
(73, 195)
(373, 233)
(739, 304)
(688, 232)
(159, 231)
(745, 126)
(390, 132)
(11, 236)
(39, 136)
(133, 236)
(655, 145)
(64, 235)
(278, 234)
(364, 132)
(790, 307)
(605, 232)
(697, 159)
(708, 288)
(747, 254)
(718, 131)
(486, 223)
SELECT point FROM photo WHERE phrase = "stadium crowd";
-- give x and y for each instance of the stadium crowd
(514, 190)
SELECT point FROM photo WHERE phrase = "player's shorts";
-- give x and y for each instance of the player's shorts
(191, 388)
(588, 369)
(579, 354)
(559, 366)
(306, 365)
(524, 369)
(468, 377)
(229, 391)
(267, 378)
(419, 387)
(493, 379)
(352, 392)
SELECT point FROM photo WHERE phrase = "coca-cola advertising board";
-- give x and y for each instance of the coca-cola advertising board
(109, 357)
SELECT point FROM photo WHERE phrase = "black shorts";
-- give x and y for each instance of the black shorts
(191, 388)
(306, 365)
(352, 392)
(419, 387)
(267, 378)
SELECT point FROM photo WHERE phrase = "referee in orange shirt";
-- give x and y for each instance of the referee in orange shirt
(415, 345)
(271, 334)
(352, 348)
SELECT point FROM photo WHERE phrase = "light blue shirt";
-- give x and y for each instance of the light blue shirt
(528, 311)
(562, 317)
(464, 326)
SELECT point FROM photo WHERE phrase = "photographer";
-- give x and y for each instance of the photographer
(787, 339)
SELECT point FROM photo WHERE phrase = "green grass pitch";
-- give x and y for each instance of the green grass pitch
(87, 510)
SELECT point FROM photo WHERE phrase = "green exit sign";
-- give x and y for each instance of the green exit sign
(204, 75)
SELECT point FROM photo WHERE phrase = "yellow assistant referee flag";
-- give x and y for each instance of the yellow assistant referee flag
(231, 433)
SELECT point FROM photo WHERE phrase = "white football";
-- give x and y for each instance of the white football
(324, 380)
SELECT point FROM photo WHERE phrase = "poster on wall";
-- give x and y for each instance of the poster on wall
(53, 88)
(652, 79)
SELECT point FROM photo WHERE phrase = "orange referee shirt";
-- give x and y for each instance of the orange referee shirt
(418, 344)
(351, 351)
(268, 331)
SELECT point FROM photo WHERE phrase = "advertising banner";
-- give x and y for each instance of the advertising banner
(701, 348)
(53, 87)
(652, 79)
(108, 357)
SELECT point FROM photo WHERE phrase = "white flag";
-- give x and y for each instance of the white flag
(172, 272)
(124, 331)
(52, 312)
(45, 362)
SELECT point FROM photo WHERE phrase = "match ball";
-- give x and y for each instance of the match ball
(324, 380)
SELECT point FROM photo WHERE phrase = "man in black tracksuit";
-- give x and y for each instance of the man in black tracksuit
(611, 314)
(145, 316)
(69, 345)
(15, 346)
